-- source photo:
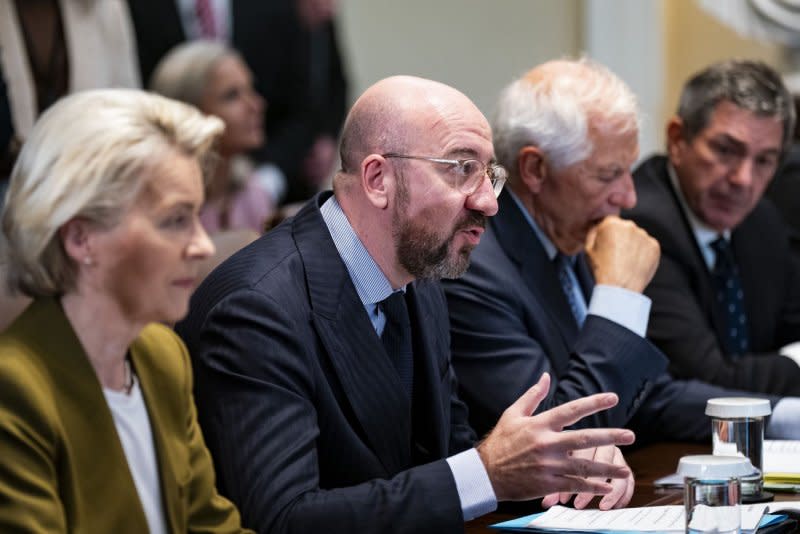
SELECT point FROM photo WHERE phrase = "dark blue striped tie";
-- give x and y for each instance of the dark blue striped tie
(396, 338)
(730, 298)
(568, 285)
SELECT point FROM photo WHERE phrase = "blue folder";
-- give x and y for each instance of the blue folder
(519, 525)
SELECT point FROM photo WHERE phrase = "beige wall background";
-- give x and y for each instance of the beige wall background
(478, 46)
(694, 39)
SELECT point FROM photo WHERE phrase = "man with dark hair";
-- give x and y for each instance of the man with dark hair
(726, 295)
(321, 352)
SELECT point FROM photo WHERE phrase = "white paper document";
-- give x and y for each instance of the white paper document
(645, 519)
(781, 456)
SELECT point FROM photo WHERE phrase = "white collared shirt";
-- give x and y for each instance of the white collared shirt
(703, 234)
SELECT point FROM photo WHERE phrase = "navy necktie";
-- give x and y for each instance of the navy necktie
(569, 284)
(730, 298)
(396, 338)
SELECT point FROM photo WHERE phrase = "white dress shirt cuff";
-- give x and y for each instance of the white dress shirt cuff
(783, 423)
(473, 484)
(622, 306)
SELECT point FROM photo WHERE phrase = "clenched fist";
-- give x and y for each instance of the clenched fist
(622, 254)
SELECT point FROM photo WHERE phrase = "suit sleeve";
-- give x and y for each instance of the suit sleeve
(681, 329)
(256, 366)
(208, 511)
(674, 410)
(29, 499)
(501, 345)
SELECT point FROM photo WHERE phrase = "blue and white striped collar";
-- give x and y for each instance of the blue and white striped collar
(371, 284)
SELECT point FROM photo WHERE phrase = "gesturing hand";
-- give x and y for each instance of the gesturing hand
(530, 456)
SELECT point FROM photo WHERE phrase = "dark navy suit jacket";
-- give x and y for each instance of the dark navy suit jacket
(685, 321)
(510, 322)
(304, 414)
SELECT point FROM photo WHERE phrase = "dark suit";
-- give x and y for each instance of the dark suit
(301, 407)
(510, 322)
(685, 321)
(272, 42)
(784, 192)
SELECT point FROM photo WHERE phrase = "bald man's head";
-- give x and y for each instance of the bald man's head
(390, 115)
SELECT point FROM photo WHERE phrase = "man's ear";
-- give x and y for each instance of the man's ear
(676, 139)
(532, 167)
(377, 180)
(75, 235)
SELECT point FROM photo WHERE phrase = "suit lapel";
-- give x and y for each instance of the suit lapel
(687, 247)
(153, 385)
(585, 277)
(357, 356)
(521, 244)
(752, 275)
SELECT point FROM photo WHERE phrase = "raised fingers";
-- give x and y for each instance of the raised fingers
(573, 411)
(574, 440)
(530, 400)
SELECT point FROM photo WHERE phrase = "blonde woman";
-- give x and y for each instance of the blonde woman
(98, 431)
(215, 79)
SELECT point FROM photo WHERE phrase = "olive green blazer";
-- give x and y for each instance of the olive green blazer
(62, 466)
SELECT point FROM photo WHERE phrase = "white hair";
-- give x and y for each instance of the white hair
(85, 157)
(554, 107)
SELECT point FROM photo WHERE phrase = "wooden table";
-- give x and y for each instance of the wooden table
(648, 463)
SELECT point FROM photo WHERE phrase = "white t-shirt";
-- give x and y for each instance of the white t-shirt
(133, 427)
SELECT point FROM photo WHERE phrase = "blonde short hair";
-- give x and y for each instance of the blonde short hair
(85, 158)
(183, 74)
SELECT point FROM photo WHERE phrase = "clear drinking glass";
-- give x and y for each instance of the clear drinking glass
(737, 428)
(712, 493)
(712, 505)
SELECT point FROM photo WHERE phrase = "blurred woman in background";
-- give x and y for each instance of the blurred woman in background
(98, 430)
(214, 78)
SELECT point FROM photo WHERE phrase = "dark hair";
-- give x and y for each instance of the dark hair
(750, 85)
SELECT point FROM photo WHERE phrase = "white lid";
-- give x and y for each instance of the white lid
(707, 466)
(737, 407)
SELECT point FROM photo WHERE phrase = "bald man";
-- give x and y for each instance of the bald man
(322, 361)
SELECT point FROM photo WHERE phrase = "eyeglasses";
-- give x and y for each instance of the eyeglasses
(469, 173)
